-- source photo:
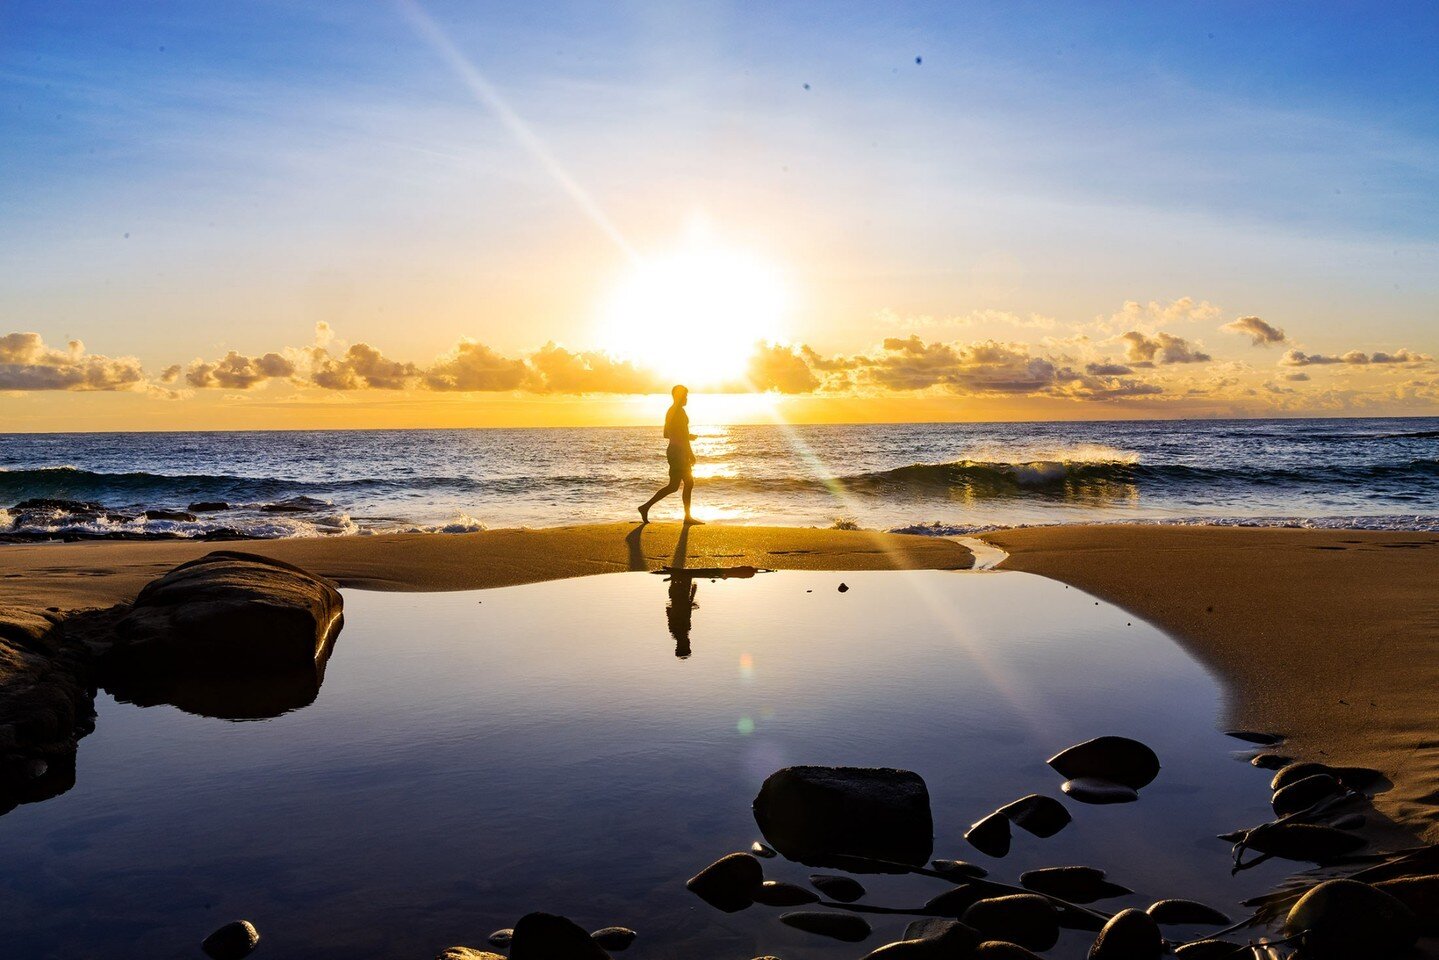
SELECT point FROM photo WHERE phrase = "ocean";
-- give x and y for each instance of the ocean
(946, 478)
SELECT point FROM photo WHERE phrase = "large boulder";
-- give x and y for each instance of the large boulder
(1347, 918)
(46, 706)
(229, 613)
(828, 816)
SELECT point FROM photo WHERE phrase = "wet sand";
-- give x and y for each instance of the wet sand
(1329, 637)
(102, 573)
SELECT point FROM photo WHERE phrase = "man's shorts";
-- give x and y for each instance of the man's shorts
(681, 464)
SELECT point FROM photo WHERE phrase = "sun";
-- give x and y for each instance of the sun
(694, 316)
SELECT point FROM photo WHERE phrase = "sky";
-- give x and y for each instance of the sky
(346, 214)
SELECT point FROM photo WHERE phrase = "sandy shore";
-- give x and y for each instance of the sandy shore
(1329, 637)
(102, 573)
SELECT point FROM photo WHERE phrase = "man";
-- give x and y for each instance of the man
(680, 455)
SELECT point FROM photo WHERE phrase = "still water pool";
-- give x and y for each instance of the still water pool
(584, 746)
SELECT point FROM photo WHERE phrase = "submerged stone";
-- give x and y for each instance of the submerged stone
(1096, 791)
(1255, 736)
(1271, 761)
(1115, 759)
(232, 941)
(1210, 950)
(1175, 912)
(1003, 950)
(1347, 918)
(1295, 772)
(614, 938)
(763, 850)
(1023, 918)
(1040, 815)
(826, 923)
(1303, 794)
(728, 884)
(953, 902)
(929, 940)
(778, 893)
(822, 815)
(501, 938)
(546, 936)
(990, 836)
(958, 868)
(843, 889)
(1075, 884)
(1302, 841)
(1129, 935)
(467, 953)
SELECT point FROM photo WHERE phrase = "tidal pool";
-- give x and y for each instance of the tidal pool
(584, 746)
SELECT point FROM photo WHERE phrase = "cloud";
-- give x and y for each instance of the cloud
(1298, 358)
(1160, 349)
(563, 371)
(26, 363)
(359, 367)
(1156, 313)
(171, 373)
(1107, 369)
(472, 366)
(1298, 377)
(1260, 333)
(234, 371)
(781, 368)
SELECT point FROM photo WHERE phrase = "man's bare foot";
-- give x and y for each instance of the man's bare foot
(692, 522)
(644, 514)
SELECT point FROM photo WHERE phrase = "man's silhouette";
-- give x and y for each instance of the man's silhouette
(680, 611)
(680, 455)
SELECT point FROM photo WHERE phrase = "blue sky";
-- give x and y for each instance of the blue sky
(279, 164)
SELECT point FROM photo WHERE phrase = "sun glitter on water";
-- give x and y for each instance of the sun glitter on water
(694, 316)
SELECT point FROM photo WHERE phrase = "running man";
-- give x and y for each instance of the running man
(680, 455)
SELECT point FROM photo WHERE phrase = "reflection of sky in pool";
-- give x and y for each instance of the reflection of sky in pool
(473, 756)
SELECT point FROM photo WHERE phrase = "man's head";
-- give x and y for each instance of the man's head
(681, 393)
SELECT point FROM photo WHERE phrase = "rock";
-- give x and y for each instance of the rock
(1358, 778)
(1342, 919)
(1270, 761)
(1295, 772)
(820, 815)
(953, 902)
(1210, 950)
(301, 504)
(46, 706)
(1002, 950)
(467, 953)
(931, 939)
(844, 588)
(232, 941)
(763, 850)
(208, 506)
(502, 938)
(843, 889)
(778, 893)
(826, 923)
(1253, 736)
(728, 884)
(1303, 794)
(545, 936)
(228, 612)
(1419, 894)
(175, 515)
(935, 928)
(1129, 935)
(1175, 912)
(614, 938)
(958, 868)
(1302, 841)
(1075, 884)
(1040, 815)
(1093, 790)
(1115, 759)
(1023, 918)
(990, 836)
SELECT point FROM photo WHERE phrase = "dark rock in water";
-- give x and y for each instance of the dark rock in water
(1096, 791)
(208, 506)
(1129, 935)
(954, 901)
(1358, 778)
(843, 889)
(1210, 950)
(958, 868)
(821, 815)
(1116, 759)
(175, 515)
(844, 588)
(1254, 736)
(232, 941)
(728, 884)
(839, 926)
(614, 938)
(1343, 919)
(1023, 918)
(990, 836)
(299, 504)
(467, 953)
(545, 936)
(1295, 772)
(1270, 761)
(1302, 794)
(46, 706)
(53, 512)
(930, 940)
(778, 893)
(1075, 884)
(1420, 894)
(1040, 815)
(1175, 912)
(228, 612)
(1302, 841)
(1003, 950)
(762, 850)
(502, 938)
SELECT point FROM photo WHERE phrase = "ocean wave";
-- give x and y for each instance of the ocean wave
(1398, 523)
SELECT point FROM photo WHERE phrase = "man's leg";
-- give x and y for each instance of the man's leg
(689, 489)
(660, 494)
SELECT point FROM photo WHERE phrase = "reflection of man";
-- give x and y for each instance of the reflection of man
(680, 611)
(680, 455)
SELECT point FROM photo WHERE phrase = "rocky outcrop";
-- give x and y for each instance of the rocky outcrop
(46, 706)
